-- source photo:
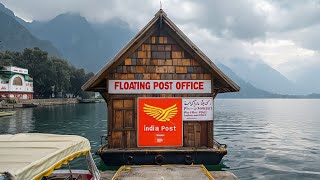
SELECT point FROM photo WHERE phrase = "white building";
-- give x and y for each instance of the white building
(15, 82)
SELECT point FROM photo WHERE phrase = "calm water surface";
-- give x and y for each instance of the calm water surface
(266, 138)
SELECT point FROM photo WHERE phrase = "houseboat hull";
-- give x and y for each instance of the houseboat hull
(158, 156)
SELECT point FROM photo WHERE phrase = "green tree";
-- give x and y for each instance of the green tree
(47, 72)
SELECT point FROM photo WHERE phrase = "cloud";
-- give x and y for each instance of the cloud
(283, 33)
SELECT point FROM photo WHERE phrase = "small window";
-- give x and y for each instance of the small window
(17, 81)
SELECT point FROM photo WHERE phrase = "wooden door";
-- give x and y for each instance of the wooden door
(123, 126)
(198, 134)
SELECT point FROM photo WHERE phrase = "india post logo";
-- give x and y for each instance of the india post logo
(161, 114)
(159, 122)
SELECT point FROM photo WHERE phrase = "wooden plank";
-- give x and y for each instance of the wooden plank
(133, 61)
(197, 70)
(194, 63)
(166, 76)
(130, 76)
(154, 61)
(142, 54)
(127, 61)
(186, 62)
(146, 47)
(130, 139)
(153, 39)
(147, 61)
(133, 139)
(207, 76)
(168, 62)
(160, 40)
(180, 69)
(161, 69)
(204, 134)
(124, 69)
(118, 119)
(140, 69)
(175, 48)
(155, 76)
(161, 48)
(117, 104)
(158, 55)
(138, 76)
(171, 69)
(189, 69)
(116, 139)
(197, 135)
(161, 62)
(210, 134)
(128, 103)
(128, 119)
(123, 76)
(199, 76)
(150, 69)
(167, 48)
(177, 54)
(141, 62)
(110, 123)
(146, 76)
(185, 135)
(165, 40)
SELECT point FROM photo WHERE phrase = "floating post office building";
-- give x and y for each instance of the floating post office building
(159, 91)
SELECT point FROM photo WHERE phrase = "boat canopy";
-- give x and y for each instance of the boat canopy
(34, 155)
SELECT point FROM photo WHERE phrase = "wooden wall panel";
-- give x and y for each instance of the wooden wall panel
(116, 139)
(118, 119)
(128, 119)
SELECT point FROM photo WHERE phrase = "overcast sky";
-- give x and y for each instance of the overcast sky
(285, 34)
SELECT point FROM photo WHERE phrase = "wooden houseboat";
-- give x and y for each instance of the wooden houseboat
(159, 91)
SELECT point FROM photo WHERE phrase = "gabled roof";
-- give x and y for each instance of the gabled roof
(227, 84)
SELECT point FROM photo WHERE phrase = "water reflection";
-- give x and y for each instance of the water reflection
(270, 138)
(22, 121)
(266, 138)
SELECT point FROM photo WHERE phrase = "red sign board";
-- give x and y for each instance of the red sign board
(159, 122)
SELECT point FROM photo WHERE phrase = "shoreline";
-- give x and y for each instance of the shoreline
(28, 103)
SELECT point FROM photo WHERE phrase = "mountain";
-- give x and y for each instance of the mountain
(247, 90)
(85, 45)
(15, 37)
(307, 78)
(261, 75)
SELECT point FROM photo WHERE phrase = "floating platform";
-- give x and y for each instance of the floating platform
(166, 172)
(159, 156)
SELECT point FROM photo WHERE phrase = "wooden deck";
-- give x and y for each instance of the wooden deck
(165, 149)
(166, 172)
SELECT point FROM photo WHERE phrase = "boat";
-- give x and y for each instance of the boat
(7, 113)
(36, 156)
(29, 105)
(90, 100)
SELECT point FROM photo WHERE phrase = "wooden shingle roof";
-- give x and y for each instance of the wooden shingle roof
(226, 84)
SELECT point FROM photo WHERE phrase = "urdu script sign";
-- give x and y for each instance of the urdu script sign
(197, 109)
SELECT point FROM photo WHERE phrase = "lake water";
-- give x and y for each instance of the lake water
(266, 138)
